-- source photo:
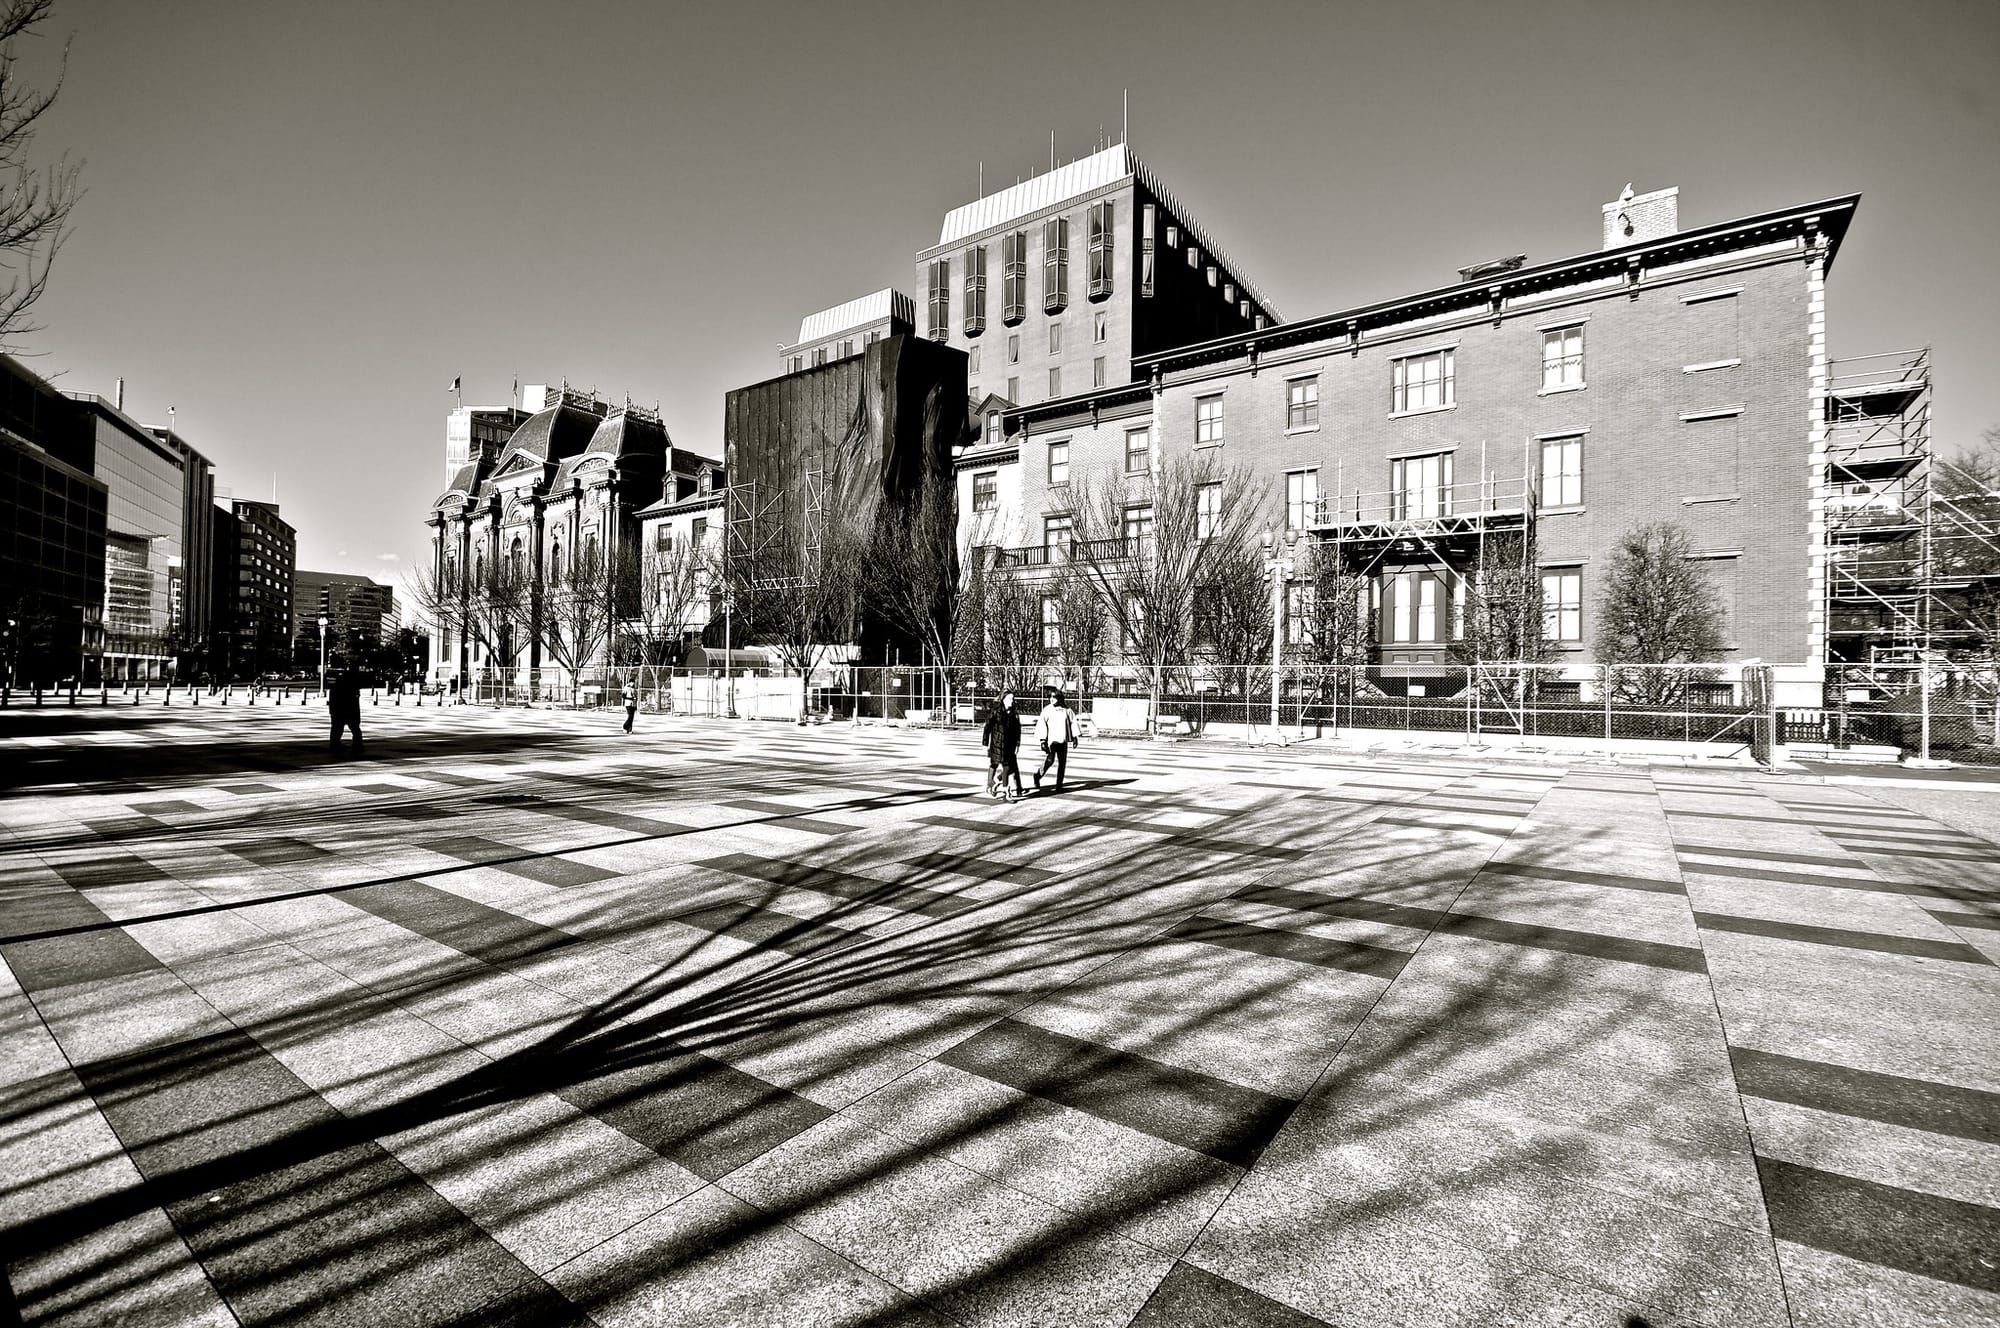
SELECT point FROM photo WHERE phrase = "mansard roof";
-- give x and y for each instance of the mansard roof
(550, 435)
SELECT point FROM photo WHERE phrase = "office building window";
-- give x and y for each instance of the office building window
(975, 290)
(1211, 277)
(1302, 403)
(1055, 265)
(1229, 292)
(1562, 472)
(972, 360)
(1146, 219)
(819, 356)
(1562, 605)
(1207, 420)
(986, 491)
(1138, 525)
(1562, 358)
(1055, 382)
(1208, 509)
(1243, 310)
(1097, 373)
(1014, 277)
(940, 303)
(1138, 451)
(1301, 498)
(1100, 250)
(798, 363)
(1421, 382)
(847, 348)
(1055, 338)
(1420, 487)
(1173, 237)
(1051, 623)
(871, 339)
(1194, 255)
(1014, 348)
(1058, 534)
(1059, 463)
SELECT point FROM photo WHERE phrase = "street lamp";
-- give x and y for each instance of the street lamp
(1278, 561)
(322, 654)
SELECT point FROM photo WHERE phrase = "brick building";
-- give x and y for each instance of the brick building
(1670, 375)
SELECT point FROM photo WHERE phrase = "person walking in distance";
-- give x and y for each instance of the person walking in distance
(1002, 736)
(631, 701)
(343, 703)
(1055, 730)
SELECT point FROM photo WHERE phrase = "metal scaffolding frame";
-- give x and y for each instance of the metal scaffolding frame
(761, 521)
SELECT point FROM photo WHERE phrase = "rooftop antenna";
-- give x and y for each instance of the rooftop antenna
(1125, 129)
(982, 179)
(1052, 149)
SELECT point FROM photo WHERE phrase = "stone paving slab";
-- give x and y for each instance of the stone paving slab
(521, 1020)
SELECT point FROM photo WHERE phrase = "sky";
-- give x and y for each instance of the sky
(302, 221)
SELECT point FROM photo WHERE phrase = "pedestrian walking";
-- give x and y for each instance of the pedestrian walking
(343, 703)
(1002, 736)
(1055, 730)
(631, 702)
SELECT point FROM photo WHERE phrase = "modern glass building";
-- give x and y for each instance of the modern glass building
(145, 544)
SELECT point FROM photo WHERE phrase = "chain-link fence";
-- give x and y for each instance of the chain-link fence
(1876, 709)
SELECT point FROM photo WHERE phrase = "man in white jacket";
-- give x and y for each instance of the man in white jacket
(1055, 729)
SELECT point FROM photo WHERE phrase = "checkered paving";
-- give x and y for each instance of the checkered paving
(517, 1020)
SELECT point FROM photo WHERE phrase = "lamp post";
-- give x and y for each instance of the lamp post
(1278, 561)
(322, 654)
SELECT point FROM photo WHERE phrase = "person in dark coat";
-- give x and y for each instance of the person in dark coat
(343, 703)
(1002, 736)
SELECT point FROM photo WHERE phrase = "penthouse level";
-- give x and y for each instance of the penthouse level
(1673, 375)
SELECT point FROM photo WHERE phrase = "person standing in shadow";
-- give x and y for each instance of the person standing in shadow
(1055, 730)
(343, 702)
(1002, 736)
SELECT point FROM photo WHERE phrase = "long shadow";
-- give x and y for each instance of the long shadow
(989, 953)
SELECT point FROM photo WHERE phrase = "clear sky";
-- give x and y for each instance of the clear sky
(304, 219)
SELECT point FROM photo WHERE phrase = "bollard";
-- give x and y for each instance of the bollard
(196, 691)
(167, 697)
(374, 697)
(72, 693)
(103, 693)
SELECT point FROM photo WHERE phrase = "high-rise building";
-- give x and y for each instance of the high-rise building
(153, 481)
(195, 587)
(1054, 286)
(52, 534)
(848, 329)
(255, 557)
(360, 615)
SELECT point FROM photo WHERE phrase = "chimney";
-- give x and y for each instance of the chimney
(118, 396)
(1633, 218)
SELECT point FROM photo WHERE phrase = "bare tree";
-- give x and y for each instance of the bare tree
(35, 202)
(1657, 609)
(578, 611)
(1335, 627)
(1232, 617)
(499, 605)
(1147, 542)
(914, 581)
(1014, 650)
(671, 585)
(1083, 625)
(803, 602)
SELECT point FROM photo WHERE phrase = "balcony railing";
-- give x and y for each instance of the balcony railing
(1055, 555)
(1459, 503)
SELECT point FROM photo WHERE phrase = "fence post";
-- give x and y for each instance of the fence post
(1604, 688)
(1924, 708)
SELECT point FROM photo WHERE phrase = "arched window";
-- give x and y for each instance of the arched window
(590, 548)
(555, 562)
(516, 557)
(479, 565)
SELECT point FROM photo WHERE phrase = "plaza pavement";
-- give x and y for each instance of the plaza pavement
(520, 1021)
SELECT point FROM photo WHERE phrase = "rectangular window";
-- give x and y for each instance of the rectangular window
(1097, 372)
(1562, 472)
(1055, 265)
(1135, 623)
(1138, 451)
(1302, 403)
(1059, 463)
(1055, 383)
(870, 340)
(1100, 250)
(1208, 510)
(798, 363)
(1101, 328)
(1420, 487)
(1562, 358)
(1146, 221)
(1014, 391)
(698, 532)
(1412, 608)
(1014, 348)
(1014, 277)
(992, 426)
(1301, 498)
(972, 360)
(1421, 382)
(975, 291)
(1055, 338)
(940, 291)
(819, 356)
(1562, 606)
(847, 348)
(1207, 420)
(986, 491)
(1138, 526)
(1058, 534)
(1051, 623)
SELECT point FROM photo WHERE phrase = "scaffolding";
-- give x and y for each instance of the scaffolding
(774, 537)
(1913, 542)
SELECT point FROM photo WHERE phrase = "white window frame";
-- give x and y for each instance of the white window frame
(1563, 486)
(1438, 392)
(986, 498)
(1302, 403)
(1301, 497)
(1208, 509)
(1208, 420)
(1562, 614)
(1058, 470)
(1562, 358)
(1144, 451)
